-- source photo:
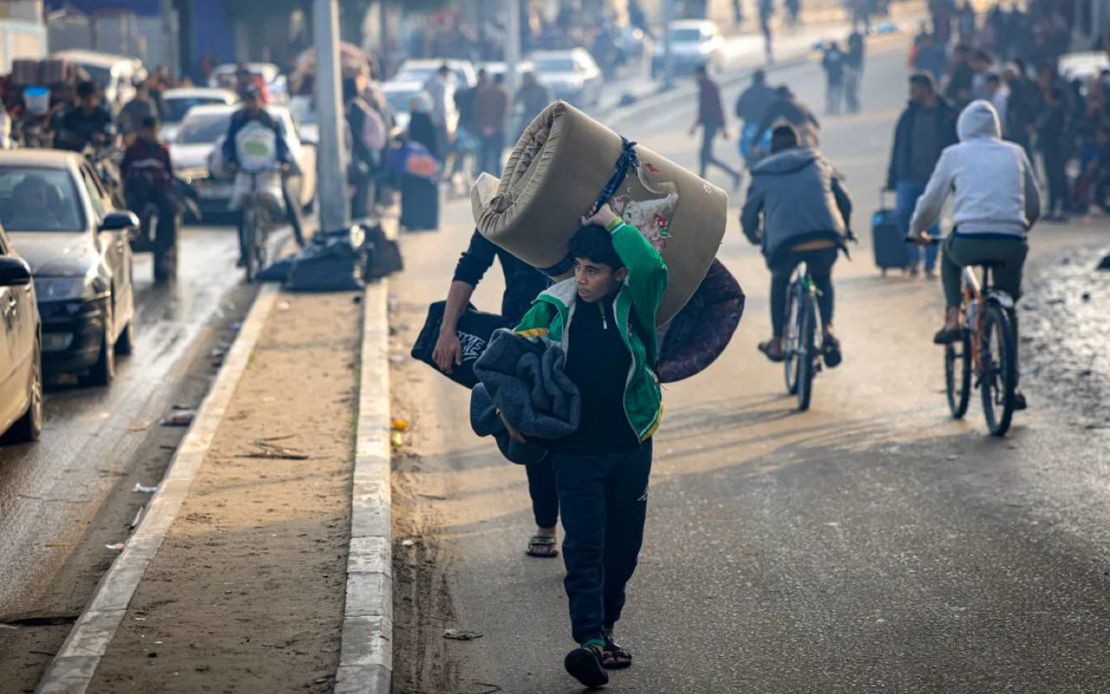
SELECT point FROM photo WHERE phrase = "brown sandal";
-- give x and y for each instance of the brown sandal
(543, 546)
(614, 657)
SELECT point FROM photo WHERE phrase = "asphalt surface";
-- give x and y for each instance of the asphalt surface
(50, 490)
(871, 544)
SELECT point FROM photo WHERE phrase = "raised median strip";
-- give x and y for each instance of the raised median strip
(366, 651)
(74, 666)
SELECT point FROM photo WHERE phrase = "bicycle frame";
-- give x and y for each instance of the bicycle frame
(974, 311)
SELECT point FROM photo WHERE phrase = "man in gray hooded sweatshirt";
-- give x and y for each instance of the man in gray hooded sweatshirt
(995, 203)
(806, 215)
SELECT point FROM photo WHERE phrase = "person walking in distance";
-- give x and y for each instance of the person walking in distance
(711, 119)
(766, 14)
(853, 73)
(1052, 130)
(491, 114)
(925, 128)
(834, 64)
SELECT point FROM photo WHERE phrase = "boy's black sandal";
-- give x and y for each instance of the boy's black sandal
(584, 665)
(615, 657)
(543, 546)
(830, 350)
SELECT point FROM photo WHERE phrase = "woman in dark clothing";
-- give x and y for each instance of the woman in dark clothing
(420, 188)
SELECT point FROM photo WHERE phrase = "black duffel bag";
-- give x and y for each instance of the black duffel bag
(474, 330)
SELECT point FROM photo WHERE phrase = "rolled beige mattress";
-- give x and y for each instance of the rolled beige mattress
(558, 169)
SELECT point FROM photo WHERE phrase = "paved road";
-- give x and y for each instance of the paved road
(871, 544)
(49, 491)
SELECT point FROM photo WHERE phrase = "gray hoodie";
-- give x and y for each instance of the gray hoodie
(799, 197)
(993, 186)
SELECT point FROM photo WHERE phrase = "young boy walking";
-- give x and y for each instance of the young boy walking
(604, 317)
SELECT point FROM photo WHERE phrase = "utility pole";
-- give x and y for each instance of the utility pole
(668, 53)
(512, 48)
(332, 165)
(384, 56)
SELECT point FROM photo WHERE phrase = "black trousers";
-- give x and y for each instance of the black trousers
(706, 157)
(1055, 168)
(820, 263)
(541, 488)
(603, 501)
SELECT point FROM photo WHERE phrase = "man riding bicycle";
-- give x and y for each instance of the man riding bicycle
(253, 112)
(88, 122)
(806, 215)
(995, 203)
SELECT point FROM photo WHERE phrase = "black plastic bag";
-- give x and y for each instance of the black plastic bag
(383, 254)
(474, 330)
(331, 263)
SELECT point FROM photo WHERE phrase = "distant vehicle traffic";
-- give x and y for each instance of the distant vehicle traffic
(204, 129)
(277, 84)
(414, 70)
(177, 103)
(1083, 65)
(20, 350)
(572, 74)
(694, 42)
(114, 74)
(61, 220)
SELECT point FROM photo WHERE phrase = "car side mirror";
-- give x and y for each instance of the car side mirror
(119, 220)
(14, 272)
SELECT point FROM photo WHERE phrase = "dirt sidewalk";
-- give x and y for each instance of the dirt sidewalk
(246, 593)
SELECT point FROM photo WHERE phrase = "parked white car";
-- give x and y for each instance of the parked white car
(572, 74)
(694, 42)
(178, 102)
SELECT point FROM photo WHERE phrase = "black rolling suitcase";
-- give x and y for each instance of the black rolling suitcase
(887, 240)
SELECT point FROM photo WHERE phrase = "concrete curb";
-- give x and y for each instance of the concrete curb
(366, 650)
(75, 664)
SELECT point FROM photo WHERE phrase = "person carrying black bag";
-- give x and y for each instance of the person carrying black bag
(523, 283)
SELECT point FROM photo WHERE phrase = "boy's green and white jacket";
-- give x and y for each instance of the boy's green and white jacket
(638, 299)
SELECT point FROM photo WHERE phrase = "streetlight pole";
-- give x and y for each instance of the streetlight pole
(512, 47)
(332, 165)
(668, 53)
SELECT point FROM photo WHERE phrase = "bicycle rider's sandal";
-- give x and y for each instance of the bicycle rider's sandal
(773, 352)
(830, 350)
(947, 336)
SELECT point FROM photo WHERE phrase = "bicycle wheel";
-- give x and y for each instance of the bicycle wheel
(807, 352)
(791, 326)
(248, 242)
(957, 375)
(998, 374)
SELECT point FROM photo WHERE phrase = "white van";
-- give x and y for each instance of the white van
(115, 74)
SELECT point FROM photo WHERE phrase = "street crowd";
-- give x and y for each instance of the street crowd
(1012, 58)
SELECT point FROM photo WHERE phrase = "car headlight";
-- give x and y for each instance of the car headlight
(69, 288)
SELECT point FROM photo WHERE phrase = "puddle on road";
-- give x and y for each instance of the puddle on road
(1065, 326)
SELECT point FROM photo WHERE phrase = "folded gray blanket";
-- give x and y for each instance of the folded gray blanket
(523, 379)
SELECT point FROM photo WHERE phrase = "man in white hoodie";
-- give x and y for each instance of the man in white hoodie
(995, 203)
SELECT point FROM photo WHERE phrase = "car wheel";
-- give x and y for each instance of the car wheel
(104, 370)
(29, 427)
(125, 344)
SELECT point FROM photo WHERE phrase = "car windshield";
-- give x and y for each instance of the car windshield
(99, 74)
(203, 129)
(39, 199)
(686, 35)
(399, 100)
(177, 108)
(554, 64)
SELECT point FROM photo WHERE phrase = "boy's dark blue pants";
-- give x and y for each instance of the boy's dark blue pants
(541, 487)
(603, 502)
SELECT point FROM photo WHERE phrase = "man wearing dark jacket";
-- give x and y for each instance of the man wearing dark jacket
(787, 107)
(711, 118)
(523, 283)
(753, 104)
(1052, 139)
(961, 78)
(1021, 107)
(797, 211)
(925, 128)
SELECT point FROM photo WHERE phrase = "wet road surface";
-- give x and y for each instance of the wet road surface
(51, 489)
(871, 544)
